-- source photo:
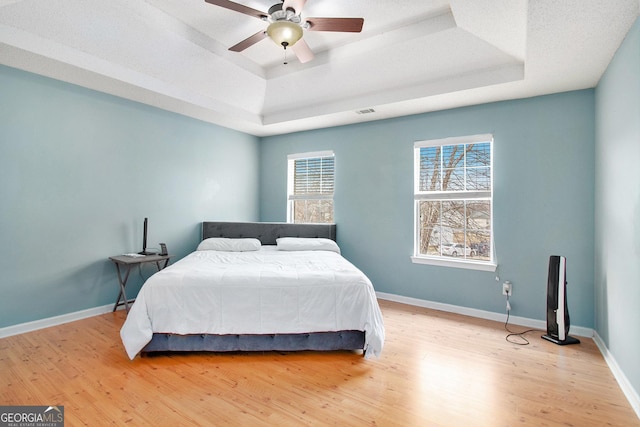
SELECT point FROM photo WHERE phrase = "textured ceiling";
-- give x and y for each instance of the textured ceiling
(411, 57)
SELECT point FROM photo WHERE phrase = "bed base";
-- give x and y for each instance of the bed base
(316, 341)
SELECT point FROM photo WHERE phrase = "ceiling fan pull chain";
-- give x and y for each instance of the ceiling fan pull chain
(285, 56)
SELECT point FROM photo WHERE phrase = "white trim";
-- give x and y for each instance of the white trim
(311, 197)
(625, 385)
(452, 195)
(627, 388)
(291, 197)
(455, 140)
(439, 196)
(481, 314)
(35, 325)
(311, 154)
(443, 262)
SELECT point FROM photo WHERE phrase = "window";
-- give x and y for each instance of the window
(310, 187)
(453, 199)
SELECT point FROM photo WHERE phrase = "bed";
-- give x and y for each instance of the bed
(257, 287)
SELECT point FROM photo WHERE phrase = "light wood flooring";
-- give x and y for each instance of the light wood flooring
(437, 369)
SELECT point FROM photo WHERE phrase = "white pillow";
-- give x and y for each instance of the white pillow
(229, 245)
(307, 244)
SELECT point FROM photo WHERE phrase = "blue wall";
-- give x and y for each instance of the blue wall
(79, 171)
(617, 195)
(543, 199)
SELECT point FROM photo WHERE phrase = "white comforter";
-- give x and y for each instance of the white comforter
(259, 292)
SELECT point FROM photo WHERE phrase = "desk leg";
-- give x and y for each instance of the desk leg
(166, 262)
(123, 283)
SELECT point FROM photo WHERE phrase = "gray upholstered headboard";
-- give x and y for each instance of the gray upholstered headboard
(266, 232)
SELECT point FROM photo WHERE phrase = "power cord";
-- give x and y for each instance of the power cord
(510, 336)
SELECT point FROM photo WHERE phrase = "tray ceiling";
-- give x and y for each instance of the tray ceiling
(411, 57)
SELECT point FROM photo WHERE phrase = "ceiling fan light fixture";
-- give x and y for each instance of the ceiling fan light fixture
(284, 33)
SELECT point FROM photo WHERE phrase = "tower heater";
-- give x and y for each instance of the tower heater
(557, 311)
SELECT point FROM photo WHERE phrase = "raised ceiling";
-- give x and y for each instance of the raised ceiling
(411, 56)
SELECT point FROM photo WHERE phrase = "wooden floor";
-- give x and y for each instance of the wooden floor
(437, 369)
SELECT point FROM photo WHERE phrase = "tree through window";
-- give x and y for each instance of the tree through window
(453, 199)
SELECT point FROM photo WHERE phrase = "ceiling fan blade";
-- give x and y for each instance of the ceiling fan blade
(238, 8)
(296, 5)
(302, 51)
(347, 25)
(249, 41)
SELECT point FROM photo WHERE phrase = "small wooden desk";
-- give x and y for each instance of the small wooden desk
(128, 263)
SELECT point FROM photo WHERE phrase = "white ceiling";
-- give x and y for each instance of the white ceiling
(411, 56)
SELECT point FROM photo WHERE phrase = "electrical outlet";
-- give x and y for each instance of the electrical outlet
(506, 288)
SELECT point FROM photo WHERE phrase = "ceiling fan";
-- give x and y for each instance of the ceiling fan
(286, 26)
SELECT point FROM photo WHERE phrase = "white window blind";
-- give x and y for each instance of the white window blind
(313, 178)
(310, 187)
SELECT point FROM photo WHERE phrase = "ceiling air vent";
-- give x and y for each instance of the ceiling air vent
(366, 111)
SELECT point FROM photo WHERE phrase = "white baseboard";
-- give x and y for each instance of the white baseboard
(625, 385)
(628, 390)
(482, 314)
(53, 321)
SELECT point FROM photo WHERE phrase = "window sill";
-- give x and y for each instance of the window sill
(466, 264)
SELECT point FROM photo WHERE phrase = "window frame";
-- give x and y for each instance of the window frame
(291, 197)
(458, 195)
